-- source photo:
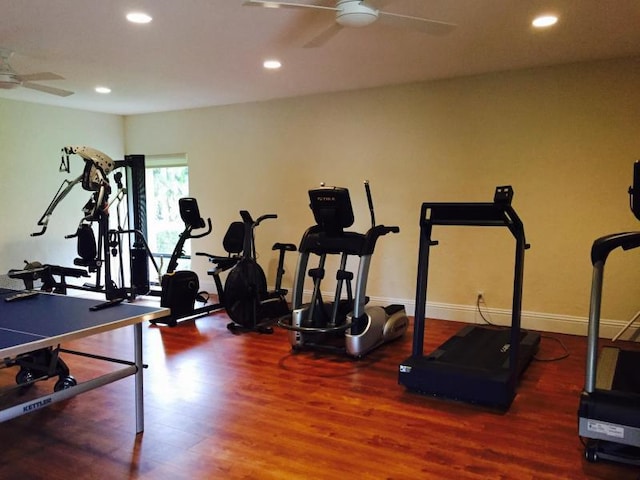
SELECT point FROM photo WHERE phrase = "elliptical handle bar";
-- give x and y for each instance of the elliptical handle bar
(373, 234)
(367, 189)
(248, 219)
(381, 230)
(264, 217)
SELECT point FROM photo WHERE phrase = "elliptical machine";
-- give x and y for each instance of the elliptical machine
(345, 325)
(250, 306)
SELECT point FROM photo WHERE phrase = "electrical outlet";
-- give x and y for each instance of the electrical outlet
(480, 295)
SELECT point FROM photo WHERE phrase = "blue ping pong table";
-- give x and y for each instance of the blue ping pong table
(49, 320)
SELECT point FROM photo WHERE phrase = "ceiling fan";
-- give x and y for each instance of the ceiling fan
(358, 13)
(9, 79)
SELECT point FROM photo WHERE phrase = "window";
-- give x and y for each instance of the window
(166, 181)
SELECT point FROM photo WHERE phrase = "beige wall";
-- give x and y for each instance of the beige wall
(31, 137)
(564, 137)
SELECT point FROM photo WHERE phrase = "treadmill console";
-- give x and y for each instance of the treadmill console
(503, 195)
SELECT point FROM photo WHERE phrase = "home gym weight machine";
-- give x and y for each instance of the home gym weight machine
(346, 325)
(94, 257)
(609, 409)
(479, 364)
(245, 296)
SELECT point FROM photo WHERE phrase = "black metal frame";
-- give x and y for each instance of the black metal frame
(500, 213)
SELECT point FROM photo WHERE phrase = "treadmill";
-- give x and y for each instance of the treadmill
(609, 410)
(479, 365)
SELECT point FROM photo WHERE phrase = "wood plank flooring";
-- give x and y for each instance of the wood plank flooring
(220, 406)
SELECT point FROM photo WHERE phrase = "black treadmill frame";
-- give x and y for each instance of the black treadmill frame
(608, 419)
(499, 387)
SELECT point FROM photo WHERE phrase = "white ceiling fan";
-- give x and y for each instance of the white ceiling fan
(358, 13)
(9, 79)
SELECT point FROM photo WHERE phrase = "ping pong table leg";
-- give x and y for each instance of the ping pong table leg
(139, 377)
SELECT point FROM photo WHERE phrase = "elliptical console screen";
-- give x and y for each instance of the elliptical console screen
(331, 208)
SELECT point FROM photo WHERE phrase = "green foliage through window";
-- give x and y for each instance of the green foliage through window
(165, 186)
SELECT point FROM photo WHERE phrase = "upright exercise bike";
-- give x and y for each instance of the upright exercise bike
(180, 289)
(248, 302)
(348, 324)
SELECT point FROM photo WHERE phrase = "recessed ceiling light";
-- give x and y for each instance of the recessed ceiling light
(544, 21)
(138, 17)
(103, 90)
(272, 64)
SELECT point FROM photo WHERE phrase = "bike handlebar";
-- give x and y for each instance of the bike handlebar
(265, 217)
(204, 234)
(41, 232)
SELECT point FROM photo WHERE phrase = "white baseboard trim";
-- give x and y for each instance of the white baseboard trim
(542, 322)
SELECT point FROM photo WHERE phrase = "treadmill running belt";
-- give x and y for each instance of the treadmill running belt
(479, 347)
(627, 376)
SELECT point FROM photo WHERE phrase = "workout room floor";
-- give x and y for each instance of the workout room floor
(220, 406)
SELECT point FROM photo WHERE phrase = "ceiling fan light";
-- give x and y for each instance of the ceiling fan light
(355, 13)
(358, 19)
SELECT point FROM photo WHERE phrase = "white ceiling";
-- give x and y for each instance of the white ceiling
(198, 53)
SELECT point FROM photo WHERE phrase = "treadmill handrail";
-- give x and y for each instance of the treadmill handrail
(600, 250)
(480, 214)
(603, 246)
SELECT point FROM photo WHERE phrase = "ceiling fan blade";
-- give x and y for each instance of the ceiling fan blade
(267, 4)
(43, 88)
(324, 36)
(424, 25)
(40, 76)
(377, 4)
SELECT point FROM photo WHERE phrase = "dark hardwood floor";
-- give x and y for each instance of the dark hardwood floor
(220, 406)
